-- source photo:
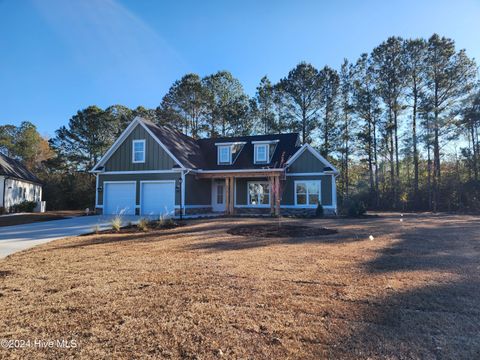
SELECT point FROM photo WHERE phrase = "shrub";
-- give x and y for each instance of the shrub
(143, 224)
(117, 223)
(319, 212)
(24, 206)
(2, 210)
(353, 207)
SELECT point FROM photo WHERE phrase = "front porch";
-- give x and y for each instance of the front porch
(224, 190)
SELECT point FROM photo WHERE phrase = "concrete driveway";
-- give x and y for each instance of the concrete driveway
(20, 237)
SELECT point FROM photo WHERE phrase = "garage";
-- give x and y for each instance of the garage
(119, 198)
(157, 198)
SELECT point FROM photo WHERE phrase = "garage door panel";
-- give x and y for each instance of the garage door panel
(158, 198)
(119, 198)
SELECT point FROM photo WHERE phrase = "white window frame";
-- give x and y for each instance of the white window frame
(219, 151)
(319, 182)
(144, 151)
(248, 194)
(256, 160)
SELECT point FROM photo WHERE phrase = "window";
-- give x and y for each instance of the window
(219, 194)
(224, 154)
(258, 193)
(307, 192)
(261, 153)
(138, 151)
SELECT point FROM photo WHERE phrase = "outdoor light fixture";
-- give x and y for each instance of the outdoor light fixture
(100, 188)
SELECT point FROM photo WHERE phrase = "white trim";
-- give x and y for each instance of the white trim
(99, 206)
(117, 143)
(239, 171)
(182, 193)
(119, 182)
(253, 206)
(140, 172)
(334, 192)
(137, 121)
(96, 190)
(140, 141)
(156, 182)
(160, 143)
(266, 146)
(306, 193)
(231, 143)
(305, 207)
(265, 141)
(315, 153)
(307, 174)
(248, 194)
(229, 147)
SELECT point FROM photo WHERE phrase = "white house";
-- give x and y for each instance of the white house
(17, 184)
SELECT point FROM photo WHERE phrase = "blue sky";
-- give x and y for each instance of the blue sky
(58, 56)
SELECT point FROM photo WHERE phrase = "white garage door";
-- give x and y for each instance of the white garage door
(119, 198)
(158, 198)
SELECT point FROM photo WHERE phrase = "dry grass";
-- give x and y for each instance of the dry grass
(36, 217)
(198, 292)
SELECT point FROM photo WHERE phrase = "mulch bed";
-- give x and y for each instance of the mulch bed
(134, 229)
(279, 230)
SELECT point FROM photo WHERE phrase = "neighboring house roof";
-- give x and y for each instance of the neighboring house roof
(15, 169)
(202, 153)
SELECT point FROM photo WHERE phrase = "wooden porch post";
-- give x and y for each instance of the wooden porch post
(227, 196)
(277, 195)
(271, 182)
(232, 196)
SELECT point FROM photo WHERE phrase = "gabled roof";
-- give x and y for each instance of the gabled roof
(15, 169)
(307, 147)
(201, 154)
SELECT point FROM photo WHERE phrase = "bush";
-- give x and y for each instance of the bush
(319, 212)
(2, 210)
(117, 223)
(143, 225)
(24, 206)
(353, 208)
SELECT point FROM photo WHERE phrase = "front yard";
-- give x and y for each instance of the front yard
(198, 292)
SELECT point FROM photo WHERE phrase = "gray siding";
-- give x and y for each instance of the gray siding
(138, 178)
(325, 188)
(155, 157)
(307, 162)
(197, 191)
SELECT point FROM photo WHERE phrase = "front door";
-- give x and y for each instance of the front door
(218, 195)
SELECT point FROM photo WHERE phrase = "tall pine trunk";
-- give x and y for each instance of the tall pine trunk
(414, 141)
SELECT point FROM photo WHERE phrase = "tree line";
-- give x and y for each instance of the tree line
(401, 122)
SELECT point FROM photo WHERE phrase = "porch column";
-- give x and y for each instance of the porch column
(271, 182)
(227, 196)
(232, 195)
(277, 195)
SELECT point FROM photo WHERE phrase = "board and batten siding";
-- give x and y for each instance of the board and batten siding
(305, 163)
(197, 191)
(156, 158)
(138, 178)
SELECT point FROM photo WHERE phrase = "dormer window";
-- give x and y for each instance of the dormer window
(225, 154)
(138, 151)
(261, 153)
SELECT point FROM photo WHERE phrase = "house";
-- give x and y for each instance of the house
(156, 170)
(17, 184)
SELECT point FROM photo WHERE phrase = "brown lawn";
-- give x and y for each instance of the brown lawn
(36, 217)
(196, 292)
